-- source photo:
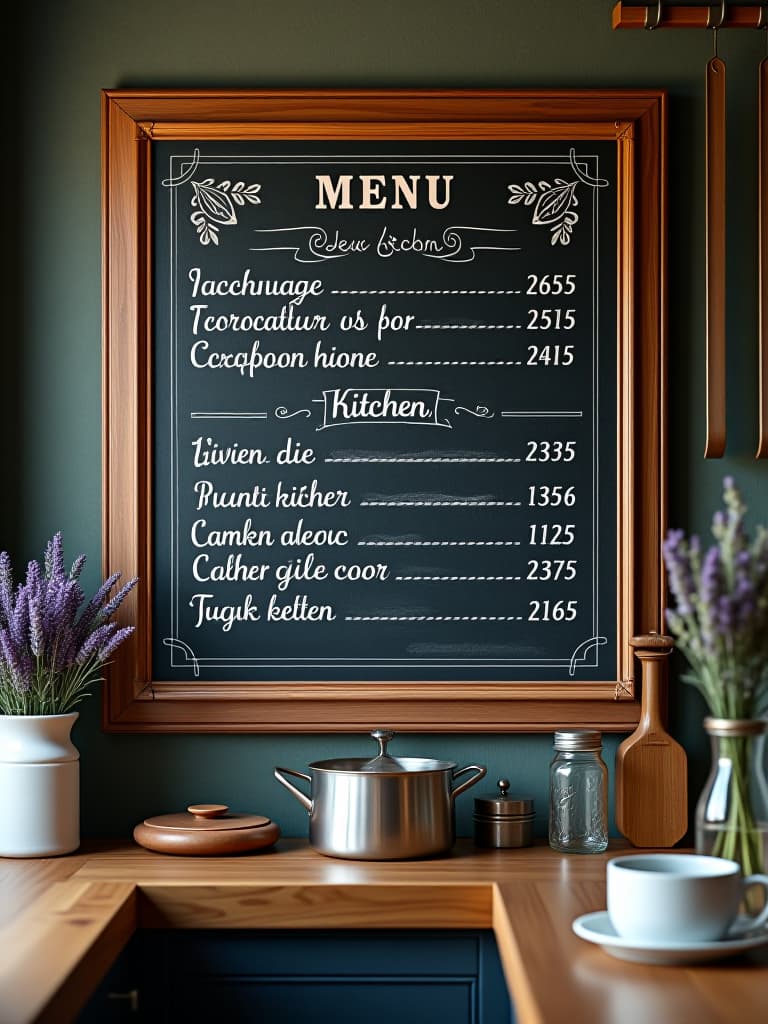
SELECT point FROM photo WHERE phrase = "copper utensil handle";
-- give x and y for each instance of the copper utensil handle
(715, 443)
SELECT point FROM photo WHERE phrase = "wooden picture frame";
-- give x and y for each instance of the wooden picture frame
(132, 119)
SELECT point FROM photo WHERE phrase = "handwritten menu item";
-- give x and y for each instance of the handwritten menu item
(384, 410)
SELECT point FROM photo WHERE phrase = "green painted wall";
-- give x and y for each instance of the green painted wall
(50, 418)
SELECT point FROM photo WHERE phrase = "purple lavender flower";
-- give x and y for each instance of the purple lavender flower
(111, 607)
(111, 645)
(720, 618)
(77, 567)
(94, 642)
(12, 663)
(679, 570)
(725, 618)
(50, 650)
(36, 635)
(93, 607)
(6, 587)
(54, 556)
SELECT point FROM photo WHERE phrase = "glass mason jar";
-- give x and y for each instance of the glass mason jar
(732, 811)
(578, 793)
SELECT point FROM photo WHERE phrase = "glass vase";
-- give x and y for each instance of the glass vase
(732, 811)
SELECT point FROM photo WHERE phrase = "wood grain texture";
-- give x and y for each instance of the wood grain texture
(56, 951)
(529, 896)
(651, 782)
(238, 905)
(131, 118)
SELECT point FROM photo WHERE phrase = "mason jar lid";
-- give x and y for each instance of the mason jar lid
(735, 726)
(578, 739)
(503, 803)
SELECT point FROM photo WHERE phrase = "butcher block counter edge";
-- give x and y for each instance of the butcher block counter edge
(63, 922)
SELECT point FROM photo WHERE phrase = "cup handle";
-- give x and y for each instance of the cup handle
(759, 920)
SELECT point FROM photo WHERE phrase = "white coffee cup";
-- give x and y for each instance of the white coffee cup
(679, 898)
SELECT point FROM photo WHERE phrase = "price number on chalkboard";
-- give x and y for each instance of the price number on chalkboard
(551, 284)
(551, 451)
(551, 533)
(551, 319)
(552, 611)
(546, 569)
(546, 355)
(545, 495)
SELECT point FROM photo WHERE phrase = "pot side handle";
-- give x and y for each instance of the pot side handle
(301, 797)
(479, 770)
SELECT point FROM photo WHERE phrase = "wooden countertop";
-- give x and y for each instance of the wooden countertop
(64, 920)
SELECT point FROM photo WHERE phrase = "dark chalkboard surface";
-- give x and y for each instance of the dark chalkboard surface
(384, 406)
(385, 410)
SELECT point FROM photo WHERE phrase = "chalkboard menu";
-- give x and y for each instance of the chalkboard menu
(393, 396)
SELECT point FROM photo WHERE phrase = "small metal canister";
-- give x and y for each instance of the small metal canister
(503, 820)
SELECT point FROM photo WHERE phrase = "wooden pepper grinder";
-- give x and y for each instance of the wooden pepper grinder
(651, 767)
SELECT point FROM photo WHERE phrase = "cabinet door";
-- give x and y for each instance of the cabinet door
(385, 977)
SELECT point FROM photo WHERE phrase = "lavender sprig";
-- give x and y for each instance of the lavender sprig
(51, 651)
(720, 618)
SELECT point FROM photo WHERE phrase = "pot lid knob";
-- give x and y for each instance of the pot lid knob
(382, 737)
(203, 811)
(503, 785)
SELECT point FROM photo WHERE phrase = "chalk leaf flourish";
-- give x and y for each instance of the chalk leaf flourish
(214, 204)
(554, 201)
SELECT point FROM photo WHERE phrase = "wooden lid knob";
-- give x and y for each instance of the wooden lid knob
(208, 810)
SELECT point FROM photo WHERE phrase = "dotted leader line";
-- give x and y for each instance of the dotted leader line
(461, 579)
(442, 458)
(433, 618)
(468, 327)
(440, 504)
(425, 291)
(454, 362)
(437, 543)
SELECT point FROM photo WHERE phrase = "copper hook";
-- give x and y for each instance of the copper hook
(647, 24)
(720, 23)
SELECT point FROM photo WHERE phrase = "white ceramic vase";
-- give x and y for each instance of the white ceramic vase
(39, 786)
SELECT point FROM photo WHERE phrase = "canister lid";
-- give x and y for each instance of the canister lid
(578, 739)
(206, 829)
(503, 802)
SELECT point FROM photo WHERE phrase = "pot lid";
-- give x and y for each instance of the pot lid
(207, 818)
(503, 802)
(383, 763)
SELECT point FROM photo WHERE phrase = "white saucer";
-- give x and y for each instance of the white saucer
(597, 928)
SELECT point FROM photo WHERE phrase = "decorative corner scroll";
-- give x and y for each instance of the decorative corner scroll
(214, 203)
(189, 655)
(580, 653)
(555, 202)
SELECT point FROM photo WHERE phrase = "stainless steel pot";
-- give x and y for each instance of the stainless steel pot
(381, 808)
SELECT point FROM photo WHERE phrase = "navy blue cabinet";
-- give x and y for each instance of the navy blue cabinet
(305, 977)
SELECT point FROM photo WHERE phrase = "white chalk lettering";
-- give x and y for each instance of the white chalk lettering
(224, 615)
(374, 191)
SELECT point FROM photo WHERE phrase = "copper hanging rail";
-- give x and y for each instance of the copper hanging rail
(683, 16)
